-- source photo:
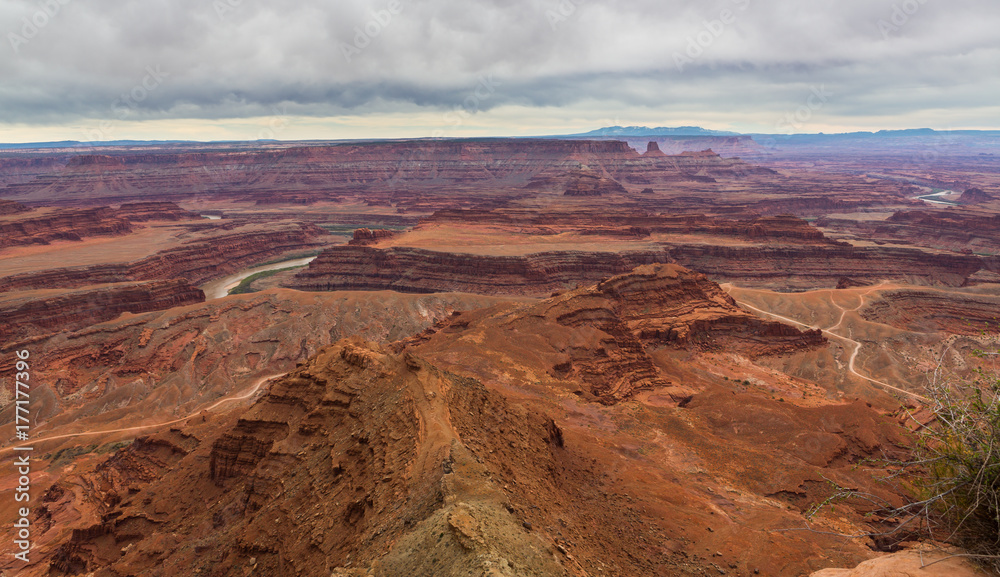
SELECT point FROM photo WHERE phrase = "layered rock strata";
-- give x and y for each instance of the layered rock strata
(415, 270)
(11, 207)
(66, 224)
(40, 314)
(197, 261)
(366, 236)
(407, 269)
(603, 335)
(926, 311)
(146, 211)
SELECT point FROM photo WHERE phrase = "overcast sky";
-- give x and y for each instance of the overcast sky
(247, 69)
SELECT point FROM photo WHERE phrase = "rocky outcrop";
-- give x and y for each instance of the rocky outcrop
(923, 561)
(76, 224)
(848, 282)
(669, 303)
(824, 266)
(400, 460)
(62, 224)
(975, 196)
(366, 236)
(657, 305)
(415, 270)
(604, 335)
(32, 315)
(587, 183)
(234, 341)
(759, 229)
(146, 211)
(197, 261)
(653, 149)
(11, 207)
(926, 311)
(956, 229)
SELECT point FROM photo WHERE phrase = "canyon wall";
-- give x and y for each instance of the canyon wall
(925, 311)
(407, 269)
(824, 266)
(146, 211)
(67, 224)
(11, 207)
(41, 314)
(413, 270)
(307, 174)
(197, 261)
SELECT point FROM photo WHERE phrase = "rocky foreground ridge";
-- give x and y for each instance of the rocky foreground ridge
(469, 450)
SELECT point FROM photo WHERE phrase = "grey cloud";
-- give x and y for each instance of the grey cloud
(243, 58)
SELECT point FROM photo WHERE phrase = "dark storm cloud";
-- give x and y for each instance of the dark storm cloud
(65, 60)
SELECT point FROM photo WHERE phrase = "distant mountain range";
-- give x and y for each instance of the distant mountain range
(646, 131)
(95, 144)
(622, 132)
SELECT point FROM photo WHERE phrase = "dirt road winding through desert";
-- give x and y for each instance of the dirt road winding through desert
(856, 344)
(235, 398)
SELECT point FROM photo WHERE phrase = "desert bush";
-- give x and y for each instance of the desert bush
(957, 465)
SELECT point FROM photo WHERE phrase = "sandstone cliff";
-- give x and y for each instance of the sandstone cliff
(822, 264)
(975, 196)
(197, 261)
(366, 236)
(956, 229)
(511, 438)
(145, 211)
(422, 271)
(926, 311)
(11, 207)
(603, 335)
(589, 183)
(40, 313)
(758, 229)
(62, 224)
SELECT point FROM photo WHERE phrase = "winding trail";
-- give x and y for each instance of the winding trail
(857, 345)
(246, 395)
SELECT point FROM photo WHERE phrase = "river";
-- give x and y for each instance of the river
(929, 198)
(220, 287)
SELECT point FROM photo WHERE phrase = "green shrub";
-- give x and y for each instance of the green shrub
(958, 455)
